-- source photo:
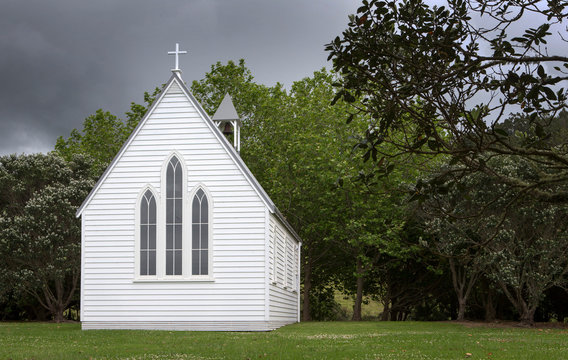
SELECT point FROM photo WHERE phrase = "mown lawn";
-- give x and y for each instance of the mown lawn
(317, 340)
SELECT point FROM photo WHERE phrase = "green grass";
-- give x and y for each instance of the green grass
(332, 340)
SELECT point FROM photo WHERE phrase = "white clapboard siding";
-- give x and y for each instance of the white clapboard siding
(283, 290)
(235, 299)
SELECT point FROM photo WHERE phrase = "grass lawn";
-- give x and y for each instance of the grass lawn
(316, 340)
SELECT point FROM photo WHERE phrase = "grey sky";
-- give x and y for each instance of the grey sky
(61, 60)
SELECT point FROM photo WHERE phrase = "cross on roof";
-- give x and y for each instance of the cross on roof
(177, 53)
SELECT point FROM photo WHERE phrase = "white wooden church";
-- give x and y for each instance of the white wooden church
(178, 234)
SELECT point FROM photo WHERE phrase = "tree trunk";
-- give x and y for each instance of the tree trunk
(385, 315)
(386, 301)
(306, 315)
(490, 311)
(526, 312)
(461, 309)
(527, 315)
(359, 296)
(462, 286)
(58, 313)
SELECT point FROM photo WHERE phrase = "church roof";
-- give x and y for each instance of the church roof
(226, 111)
(223, 140)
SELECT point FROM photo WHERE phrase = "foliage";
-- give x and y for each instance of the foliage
(456, 218)
(323, 306)
(313, 340)
(39, 234)
(485, 227)
(529, 255)
(445, 76)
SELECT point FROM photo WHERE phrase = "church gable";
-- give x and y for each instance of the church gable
(177, 121)
(174, 158)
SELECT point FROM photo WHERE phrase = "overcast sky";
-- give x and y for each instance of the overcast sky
(61, 60)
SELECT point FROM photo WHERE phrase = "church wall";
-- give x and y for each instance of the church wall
(284, 286)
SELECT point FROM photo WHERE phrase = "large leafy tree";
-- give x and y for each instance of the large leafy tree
(485, 228)
(446, 76)
(456, 217)
(39, 233)
(529, 256)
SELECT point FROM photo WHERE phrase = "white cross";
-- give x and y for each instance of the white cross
(177, 53)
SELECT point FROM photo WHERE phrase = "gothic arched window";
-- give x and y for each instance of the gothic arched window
(148, 234)
(200, 234)
(174, 216)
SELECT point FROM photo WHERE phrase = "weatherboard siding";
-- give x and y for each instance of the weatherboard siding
(111, 295)
(283, 286)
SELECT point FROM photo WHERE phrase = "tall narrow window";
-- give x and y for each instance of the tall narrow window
(200, 234)
(174, 201)
(148, 234)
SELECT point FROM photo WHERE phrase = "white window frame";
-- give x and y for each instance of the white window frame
(137, 232)
(285, 280)
(272, 236)
(210, 204)
(161, 260)
(160, 197)
(296, 279)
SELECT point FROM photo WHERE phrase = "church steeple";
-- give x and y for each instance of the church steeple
(227, 119)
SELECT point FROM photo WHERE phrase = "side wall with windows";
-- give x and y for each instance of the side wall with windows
(114, 294)
(283, 273)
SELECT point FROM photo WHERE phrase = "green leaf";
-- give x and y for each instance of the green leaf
(433, 145)
(539, 131)
(540, 71)
(550, 95)
(501, 132)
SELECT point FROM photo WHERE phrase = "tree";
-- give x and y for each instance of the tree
(370, 221)
(433, 75)
(456, 219)
(522, 249)
(529, 256)
(39, 233)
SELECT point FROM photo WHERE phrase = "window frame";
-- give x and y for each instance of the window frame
(160, 198)
(274, 256)
(210, 204)
(162, 235)
(182, 221)
(137, 222)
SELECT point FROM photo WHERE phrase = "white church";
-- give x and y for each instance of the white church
(179, 235)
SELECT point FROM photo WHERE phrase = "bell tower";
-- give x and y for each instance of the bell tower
(227, 120)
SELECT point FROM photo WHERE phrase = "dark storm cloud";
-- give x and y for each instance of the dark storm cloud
(61, 60)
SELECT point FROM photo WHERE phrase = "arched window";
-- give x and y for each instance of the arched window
(148, 234)
(174, 215)
(200, 234)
